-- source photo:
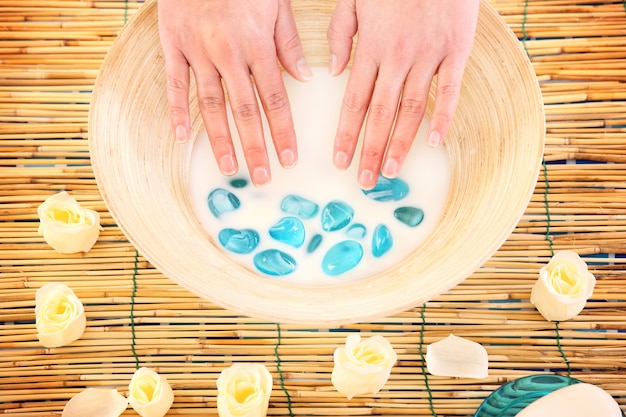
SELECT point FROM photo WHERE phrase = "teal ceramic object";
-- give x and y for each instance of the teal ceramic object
(513, 397)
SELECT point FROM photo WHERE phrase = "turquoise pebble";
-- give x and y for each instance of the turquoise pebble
(342, 257)
(239, 241)
(336, 215)
(388, 189)
(274, 262)
(299, 206)
(411, 216)
(357, 231)
(289, 230)
(314, 243)
(381, 240)
(238, 182)
(222, 201)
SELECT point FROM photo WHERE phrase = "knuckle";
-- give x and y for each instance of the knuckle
(353, 103)
(449, 90)
(275, 101)
(246, 112)
(177, 112)
(412, 105)
(211, 104)
(381, 113)
(371, 154)
(176, 85)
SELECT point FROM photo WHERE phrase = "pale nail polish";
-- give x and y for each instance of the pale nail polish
(260, 176)
(366, 177)
(228, 165)
(433, 139)
(332, 64)
(341, 160)
(181, 133)
(391, 168)
(288, 158)
(304, 70)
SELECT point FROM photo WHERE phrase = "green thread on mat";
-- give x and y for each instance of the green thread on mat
(558, 345)
(279, 370)
(424, 373)
(132, 309)
(125, 11)
(524, 21)
(546, 204)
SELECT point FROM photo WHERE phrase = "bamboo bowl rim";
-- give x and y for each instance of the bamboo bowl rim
(495, 147)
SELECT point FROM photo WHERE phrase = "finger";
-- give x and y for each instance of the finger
(213, 110)
(247, 116)
(177, 73)
(289, 46)
(353, 109)
(447, 95)
(341, 30)
(410, 114)
(380, 119)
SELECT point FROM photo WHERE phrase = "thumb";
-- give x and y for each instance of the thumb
(342, 28)
(289, 46)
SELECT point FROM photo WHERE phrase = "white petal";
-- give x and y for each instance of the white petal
(577, 400)
(457, 357)
(96, 402)
(149, 393)
(59, 315)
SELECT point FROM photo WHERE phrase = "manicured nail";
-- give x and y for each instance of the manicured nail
(391, 168)
(228, 165)
(434, 138)
(366, 178)
(304, 70)
(341, 160)
(181, 133)
(260, 176)
(288, 158)
(332, 65)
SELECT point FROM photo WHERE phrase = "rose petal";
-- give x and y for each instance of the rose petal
(66, 226)
(59, 315)
(457, 357)
(577, 400)
(362, 367)
(244, 390)
(563, 287)
(96, 402)
(149, 393)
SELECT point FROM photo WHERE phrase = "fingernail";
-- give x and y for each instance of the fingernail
(260, 176)
(332, 64)
(228, 165)
(434, 138)
(304, 70)
(341, 160)
(366, 178)
(181, 133)
(288, 158)
(391, 168)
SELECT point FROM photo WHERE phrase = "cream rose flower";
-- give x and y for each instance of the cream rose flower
(563, 287)
(59, 315)
(457, 357)
(66, 226)
(149, 393)
(243, 390)
(362, 367)
(96, 402)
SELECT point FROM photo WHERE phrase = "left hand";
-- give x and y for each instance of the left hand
(402, 44)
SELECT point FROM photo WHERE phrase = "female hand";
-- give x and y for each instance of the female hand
(401, 45)
(240, 44)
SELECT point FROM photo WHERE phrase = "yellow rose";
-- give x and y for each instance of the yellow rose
(96, 402)
(66, 226)
(362, 367)
(243, 390)
(59, 315)
(149, 393)
(563, 287)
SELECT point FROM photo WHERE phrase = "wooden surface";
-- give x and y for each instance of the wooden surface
(50, 52)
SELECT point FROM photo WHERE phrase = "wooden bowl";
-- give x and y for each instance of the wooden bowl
(494, 146)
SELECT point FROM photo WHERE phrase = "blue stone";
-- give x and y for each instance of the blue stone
(238, 182)
(357, 231)
(289, 230)
(299, 206)
(342, 257)
(388, 189)
(382, 240)
(274, 262)
(336, 215)
(314, 243)
(222, 201)
(411, 216)
(239, 241)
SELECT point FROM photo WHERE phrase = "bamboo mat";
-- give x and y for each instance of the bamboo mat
(50, 52)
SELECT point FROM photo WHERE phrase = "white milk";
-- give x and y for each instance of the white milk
(315, 108)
